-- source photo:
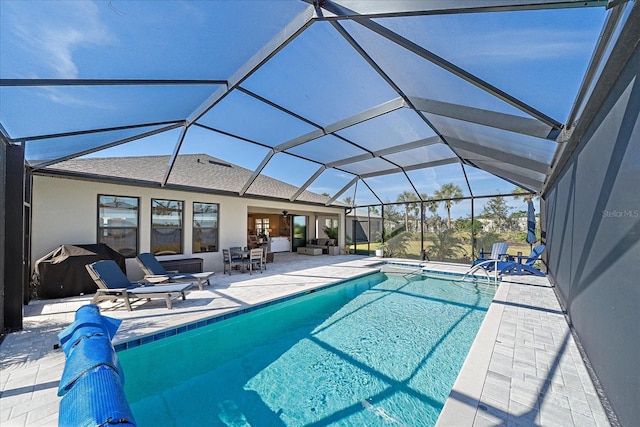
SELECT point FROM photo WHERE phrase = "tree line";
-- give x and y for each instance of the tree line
(447, 238)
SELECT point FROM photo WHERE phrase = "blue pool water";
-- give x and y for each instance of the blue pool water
(385, 349)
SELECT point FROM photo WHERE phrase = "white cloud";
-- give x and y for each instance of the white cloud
(505, 37)
(63, 97)
(52, 31)
(526, 44)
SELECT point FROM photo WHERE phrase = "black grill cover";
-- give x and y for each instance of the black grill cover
(62, 273)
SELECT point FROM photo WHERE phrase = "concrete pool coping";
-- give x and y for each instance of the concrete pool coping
(524, 367)
(491, 388)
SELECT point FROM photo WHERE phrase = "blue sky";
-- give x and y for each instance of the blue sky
(538, 56)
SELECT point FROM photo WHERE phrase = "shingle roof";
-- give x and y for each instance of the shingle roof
(195, 171)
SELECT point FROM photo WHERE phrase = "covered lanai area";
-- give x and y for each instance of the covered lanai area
(358, 111)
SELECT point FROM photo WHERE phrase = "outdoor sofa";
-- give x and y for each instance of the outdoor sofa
(322, 243)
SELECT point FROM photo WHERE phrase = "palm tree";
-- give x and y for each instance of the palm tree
(406, 197)
(445, 245)
(446, 193)
(521, 192)
(397, 245)
(348, 200)
(391, 219)
(429, 203)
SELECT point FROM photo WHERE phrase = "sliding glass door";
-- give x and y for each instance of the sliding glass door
(299, 232)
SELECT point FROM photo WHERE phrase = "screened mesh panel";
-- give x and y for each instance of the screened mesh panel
(304, 77)
(327, 149)
(227, 148)
(245, 116)
(485, 137)
(161, 144)
(421, 156)
(389, 187)
(298, 101)
(42, 150)
(280, 165)
(483, 183)
(61, 109)
(447, 231)
(330, 182)
(391, 129)
(418, 77)
(364, 195)
(524, 178)
(368, 166)
(428, 181)
(530, 44)
(137, 39)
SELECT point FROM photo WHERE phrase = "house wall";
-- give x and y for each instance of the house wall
(65, 211)
(592, 220)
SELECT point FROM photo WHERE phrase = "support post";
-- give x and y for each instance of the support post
(473, 231)
(11, 252)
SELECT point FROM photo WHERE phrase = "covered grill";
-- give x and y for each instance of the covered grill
(62, 273)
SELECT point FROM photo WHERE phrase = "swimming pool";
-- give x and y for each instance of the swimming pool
(384, 349)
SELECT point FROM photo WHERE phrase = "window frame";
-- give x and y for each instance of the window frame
(101, 227)
(181, 228)
(262, 226)
(194, 228)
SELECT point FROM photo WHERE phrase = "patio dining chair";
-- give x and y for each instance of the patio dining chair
(256, 260)
(231, 262)
(265, 250)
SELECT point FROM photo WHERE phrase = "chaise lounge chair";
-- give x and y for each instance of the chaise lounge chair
(156, 273)
(498, 253)
(518, 268)
(113, 284)
(500, 268)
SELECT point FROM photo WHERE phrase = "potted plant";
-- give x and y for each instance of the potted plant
(331, 232)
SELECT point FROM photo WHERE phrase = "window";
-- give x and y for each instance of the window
(166, 226)
(331, 223)
(262, 227)
(205, 227)
(118, 223)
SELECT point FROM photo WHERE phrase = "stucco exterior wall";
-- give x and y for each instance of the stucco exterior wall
(64, 211)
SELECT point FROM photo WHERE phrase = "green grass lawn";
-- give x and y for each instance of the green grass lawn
(463, 255)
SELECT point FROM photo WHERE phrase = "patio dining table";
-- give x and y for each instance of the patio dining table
(244, 254)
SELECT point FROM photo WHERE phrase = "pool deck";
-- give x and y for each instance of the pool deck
(524, 368)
